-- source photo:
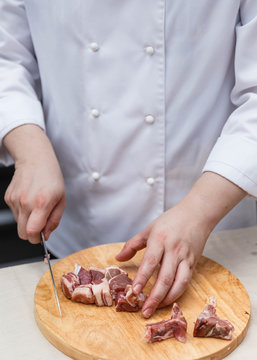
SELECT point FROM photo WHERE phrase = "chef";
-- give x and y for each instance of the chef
(140, 116)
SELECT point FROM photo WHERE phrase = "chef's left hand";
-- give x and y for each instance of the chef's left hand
(176, 239)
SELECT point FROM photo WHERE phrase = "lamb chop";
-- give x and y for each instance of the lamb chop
(208, 324)
(176, 327)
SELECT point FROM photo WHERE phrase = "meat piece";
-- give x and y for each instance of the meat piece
(112, 271)
(162, 330)
(208, 324)
(97, 275)
(118, 283)
(83, 294)
(134, 299)
(102, 293)
(121, 303)
(85, 276)
(69, 282)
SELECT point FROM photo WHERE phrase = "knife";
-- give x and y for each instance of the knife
(50, 268)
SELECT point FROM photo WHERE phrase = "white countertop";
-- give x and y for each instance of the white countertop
(21, 339)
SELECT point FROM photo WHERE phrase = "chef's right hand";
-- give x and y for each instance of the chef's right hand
(36, 194)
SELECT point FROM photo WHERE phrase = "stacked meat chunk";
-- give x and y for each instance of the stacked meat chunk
(101, 287)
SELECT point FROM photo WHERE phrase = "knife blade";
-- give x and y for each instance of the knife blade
(50, 269)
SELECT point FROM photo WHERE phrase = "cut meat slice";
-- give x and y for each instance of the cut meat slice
(102, 293)
(97, 275)
(121, 303)
(174, 327)
(134, 299)
(83, 294)
(69, 282)
(112, 271)
(208, 324)
(118, 283)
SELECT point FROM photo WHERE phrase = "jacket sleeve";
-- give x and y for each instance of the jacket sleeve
(19, 75)
(234, 155)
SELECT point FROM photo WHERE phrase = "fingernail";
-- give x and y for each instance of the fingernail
(148, 312)
(137, 288)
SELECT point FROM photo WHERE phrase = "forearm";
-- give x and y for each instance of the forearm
(212, 197)
(28, 143)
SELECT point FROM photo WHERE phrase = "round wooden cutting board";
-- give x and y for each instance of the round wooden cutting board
(91, 332)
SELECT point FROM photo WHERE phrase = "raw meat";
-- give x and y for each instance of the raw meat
(85, 277)
(83, 294)
(112, 271)
(134, 299)
(208, 324)
(121, 303)
(118, 283)
(129, 301)
(174, 327)
(101, 286)
(96, 275)
(102, 293)
(69, 282)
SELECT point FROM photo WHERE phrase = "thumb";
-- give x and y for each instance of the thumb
(54, 218)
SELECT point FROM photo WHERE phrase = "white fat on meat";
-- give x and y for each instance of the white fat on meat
(112, 271)
(83, 294)
(69, 282)
(134, 299)
(94, 268)
(76, 269)
(102, 293)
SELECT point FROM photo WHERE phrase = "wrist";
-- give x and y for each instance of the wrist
(211, 198)
(28, 144)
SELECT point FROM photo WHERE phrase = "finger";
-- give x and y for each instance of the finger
(10, 200)
(36, 223)
(151, 259)
(162, 285)
(22, 224)
(182, 279)
(54, 218)
(136, 243)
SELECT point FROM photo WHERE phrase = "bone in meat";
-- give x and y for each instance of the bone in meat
(176, 327)
(208, 324)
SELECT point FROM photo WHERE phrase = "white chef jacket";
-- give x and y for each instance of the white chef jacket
(137, 98)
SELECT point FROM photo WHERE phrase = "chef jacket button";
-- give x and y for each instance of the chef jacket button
(95, 176)
(149, 119)
(95, 113)
(149, 50)
(150, 181)
(94, 46)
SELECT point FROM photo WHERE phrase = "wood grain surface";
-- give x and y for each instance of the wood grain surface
(91, 332)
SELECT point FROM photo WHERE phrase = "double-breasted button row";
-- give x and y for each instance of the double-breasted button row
(96, 176)
(149, 119)
(95, 47)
